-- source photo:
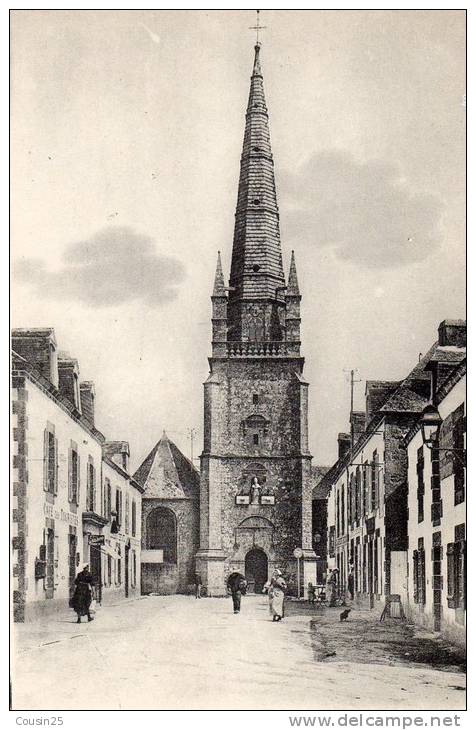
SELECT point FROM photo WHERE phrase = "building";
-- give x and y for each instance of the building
(58, 517)
(119, 548)
(319, 521)
(368, 487)
(170, 519)
(437, 530)
(256, 486)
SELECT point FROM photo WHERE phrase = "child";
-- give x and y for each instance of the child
(311, 593)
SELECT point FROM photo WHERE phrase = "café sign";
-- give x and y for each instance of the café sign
(60, 515)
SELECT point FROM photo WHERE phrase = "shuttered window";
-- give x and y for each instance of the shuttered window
(50, 462)
(419, 577)
(73, 475)
(420, 469)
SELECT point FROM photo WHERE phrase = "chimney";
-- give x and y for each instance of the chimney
(377, 392)
(87, 396)
(68, 377)
(357, 424)
(343, 444)
(38, 347)
(452, 332)
(118, 452)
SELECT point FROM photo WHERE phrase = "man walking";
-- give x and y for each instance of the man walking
(237, 588)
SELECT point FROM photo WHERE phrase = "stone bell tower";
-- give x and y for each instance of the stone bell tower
(255, 489)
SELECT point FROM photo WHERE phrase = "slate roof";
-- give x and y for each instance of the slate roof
(320, 489)
(167, 474)
(256, 264)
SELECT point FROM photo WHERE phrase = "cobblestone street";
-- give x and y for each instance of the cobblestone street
(175, 652)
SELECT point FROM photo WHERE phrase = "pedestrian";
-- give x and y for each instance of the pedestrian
(83, 594)
(311, 593)
(268, 588)
(237, 588)
(278, 586)
(350, 582)
(331, 587)
(198, 585)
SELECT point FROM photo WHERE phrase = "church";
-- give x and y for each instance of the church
(256, 482)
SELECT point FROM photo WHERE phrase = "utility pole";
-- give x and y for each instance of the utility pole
(353, 381)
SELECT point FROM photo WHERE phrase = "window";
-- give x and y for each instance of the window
(134, 519)
(107, 498)
(126, 521)
(50, 461)
(419, 581)
(119, 506)
(91, 487)
(109, 570)
(161, 533)
(456, 568)
(374, 482)
(365, 488)
(255, 398)
(73, 473)
(342, 513)
(256, 439)
(420, 470)
(358, 496)
(332, 541)
(452, 454)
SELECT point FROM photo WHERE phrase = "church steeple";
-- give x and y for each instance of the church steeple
(257, 278)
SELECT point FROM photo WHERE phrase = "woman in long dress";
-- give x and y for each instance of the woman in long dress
(278, 586)
(83, 594)
(331, 587)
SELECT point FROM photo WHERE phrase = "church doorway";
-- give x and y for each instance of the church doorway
(256, 570)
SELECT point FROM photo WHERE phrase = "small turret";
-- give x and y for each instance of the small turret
(219, 312)
(293, 307)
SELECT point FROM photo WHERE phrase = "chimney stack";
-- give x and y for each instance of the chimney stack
(343, 444)
(68, 377)
(87, 397)
(38, 347)
(452, 332)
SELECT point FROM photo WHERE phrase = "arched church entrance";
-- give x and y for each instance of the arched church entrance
(256, 570)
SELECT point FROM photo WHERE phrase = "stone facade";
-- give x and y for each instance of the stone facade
(170, 520)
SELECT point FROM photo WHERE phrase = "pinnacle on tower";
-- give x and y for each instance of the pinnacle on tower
(293, 284)
(219, 285)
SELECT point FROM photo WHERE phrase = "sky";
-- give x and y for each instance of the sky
(125, 145)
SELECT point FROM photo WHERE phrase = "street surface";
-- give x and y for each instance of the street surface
(176, 652)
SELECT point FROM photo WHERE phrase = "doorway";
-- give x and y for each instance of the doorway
(95, 567)
(256, 570)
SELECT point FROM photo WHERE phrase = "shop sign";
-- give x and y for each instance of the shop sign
(60, 515)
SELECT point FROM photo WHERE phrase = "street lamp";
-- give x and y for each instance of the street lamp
(430, 425)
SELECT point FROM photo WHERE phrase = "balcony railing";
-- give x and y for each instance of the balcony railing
(278, 348)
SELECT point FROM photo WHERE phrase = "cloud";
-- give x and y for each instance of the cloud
(114, 266)
(365, 211)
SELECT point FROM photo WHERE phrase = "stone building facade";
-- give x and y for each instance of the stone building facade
(256, 485)
(170, 519)
(437, 530)
(370, 507)
(58, 517)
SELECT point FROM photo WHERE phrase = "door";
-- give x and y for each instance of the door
(256, 569)
(95, 553)
(126, 570)
(73, 541)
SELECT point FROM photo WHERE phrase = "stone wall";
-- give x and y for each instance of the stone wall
(167, 578)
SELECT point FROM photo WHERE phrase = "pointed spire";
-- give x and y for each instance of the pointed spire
(257, 64)
(256, 265)
(219, 286)
(293, 284)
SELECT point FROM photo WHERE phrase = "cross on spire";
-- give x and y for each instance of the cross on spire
(257, 28)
